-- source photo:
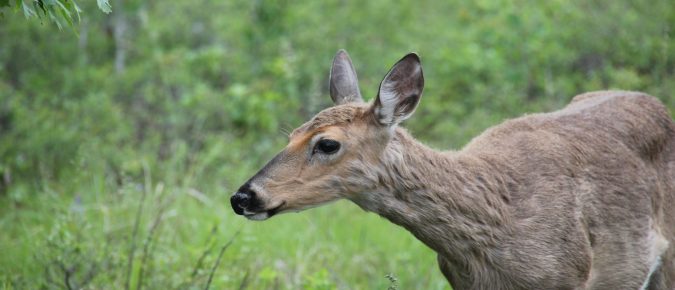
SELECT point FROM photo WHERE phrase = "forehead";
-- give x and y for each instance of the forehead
(336, 115)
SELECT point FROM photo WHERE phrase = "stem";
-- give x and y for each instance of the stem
(137, 221)
(203, 256)
(148, 241)
(220, 255)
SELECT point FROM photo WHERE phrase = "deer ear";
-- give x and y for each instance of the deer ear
(400, 91)
(344, 86)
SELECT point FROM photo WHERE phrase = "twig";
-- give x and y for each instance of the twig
(244, 282)
(220, 255)
(132, 247)
(148, 241)
(206, 252)
(66, 273)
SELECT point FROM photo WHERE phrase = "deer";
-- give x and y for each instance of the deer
(579, 198)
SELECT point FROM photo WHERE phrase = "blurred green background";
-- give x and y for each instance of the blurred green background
(122, 137)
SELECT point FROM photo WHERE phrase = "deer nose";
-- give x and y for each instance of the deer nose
(242, 199)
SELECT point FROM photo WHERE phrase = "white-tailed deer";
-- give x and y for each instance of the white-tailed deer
(580, 198)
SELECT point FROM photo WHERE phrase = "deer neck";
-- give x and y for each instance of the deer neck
(453, 203)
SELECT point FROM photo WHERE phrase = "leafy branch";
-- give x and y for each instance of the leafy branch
(60, 12)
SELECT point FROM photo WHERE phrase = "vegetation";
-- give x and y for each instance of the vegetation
(120, 144)
(56, 11)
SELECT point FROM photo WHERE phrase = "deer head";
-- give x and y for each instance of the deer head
(335, 154)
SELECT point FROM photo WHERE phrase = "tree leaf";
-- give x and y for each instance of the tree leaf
(104, 5)
(27, 11)
(71, 6)
(65, 13)
(54, 18)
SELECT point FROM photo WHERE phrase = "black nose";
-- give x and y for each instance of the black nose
(243, 199)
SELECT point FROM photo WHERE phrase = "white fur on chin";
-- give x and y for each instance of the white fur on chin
(258, 216)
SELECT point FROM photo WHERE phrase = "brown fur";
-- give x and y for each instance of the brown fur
(580, 198)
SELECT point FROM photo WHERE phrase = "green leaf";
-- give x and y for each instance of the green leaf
(4, 3)
(65, 13)
(54, 18)
(104, 5)
(40, 4)
(37, 8)
(27, 12)
(70, 5)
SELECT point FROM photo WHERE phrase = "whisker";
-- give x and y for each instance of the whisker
(285, 130)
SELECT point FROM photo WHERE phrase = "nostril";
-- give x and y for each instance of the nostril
(244, 200)
(240, 201)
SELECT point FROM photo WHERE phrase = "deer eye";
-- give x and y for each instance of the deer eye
(327, 146)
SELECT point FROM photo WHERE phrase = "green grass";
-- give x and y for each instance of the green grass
(203, 101)
(81, 229)
(86, 235)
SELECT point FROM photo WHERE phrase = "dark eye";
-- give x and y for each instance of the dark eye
(327, 146)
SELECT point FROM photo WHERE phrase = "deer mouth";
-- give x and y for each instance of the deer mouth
(263, 215)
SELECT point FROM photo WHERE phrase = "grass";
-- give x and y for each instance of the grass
(154, 236)
(174, 229)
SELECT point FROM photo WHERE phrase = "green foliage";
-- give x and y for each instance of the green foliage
(56, 11)
(104, 5)
(181, 101)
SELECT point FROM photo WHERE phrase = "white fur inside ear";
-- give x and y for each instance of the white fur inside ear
(658, 246)
(400, 91)
(388, 102)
